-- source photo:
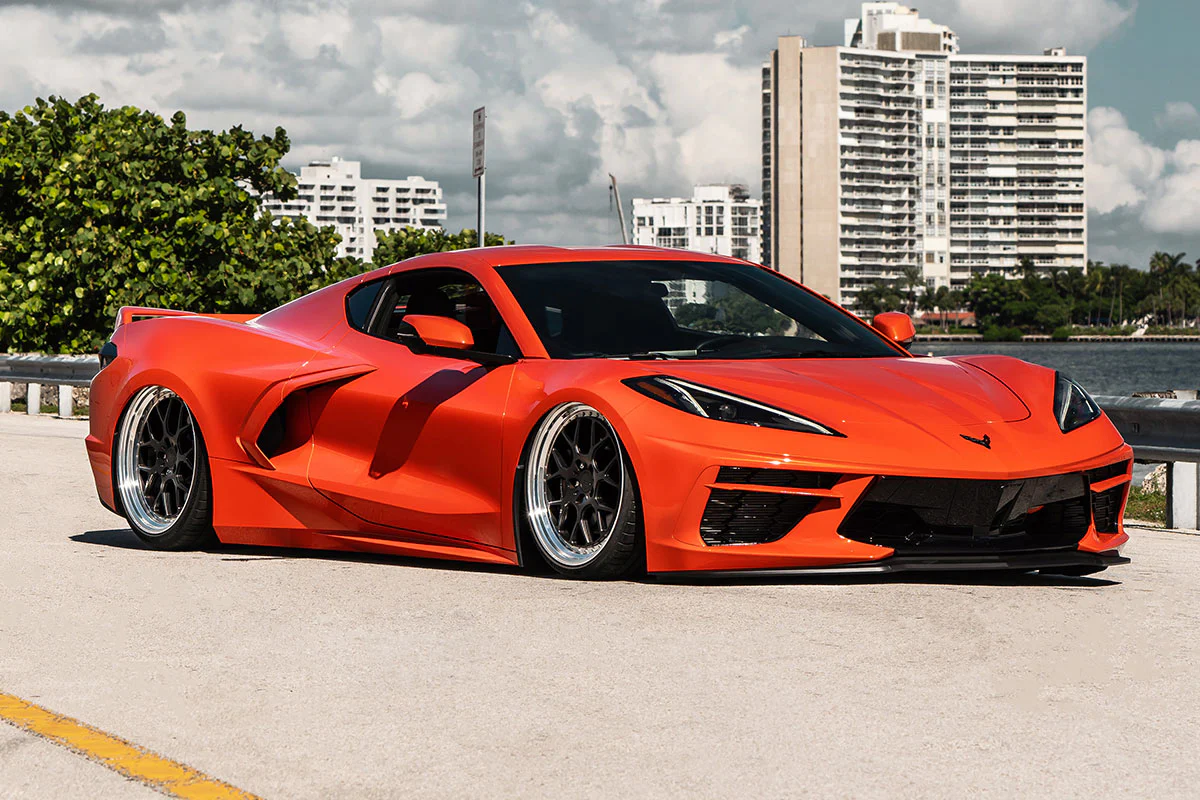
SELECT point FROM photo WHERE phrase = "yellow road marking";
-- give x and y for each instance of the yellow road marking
(117, 754)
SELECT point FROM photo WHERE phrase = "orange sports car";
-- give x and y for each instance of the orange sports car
(602, 411)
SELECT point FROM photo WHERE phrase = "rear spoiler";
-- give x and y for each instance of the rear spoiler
(129, 314)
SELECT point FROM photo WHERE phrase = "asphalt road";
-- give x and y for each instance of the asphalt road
(316, 676)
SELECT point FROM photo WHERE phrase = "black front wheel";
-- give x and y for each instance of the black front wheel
(580, 496)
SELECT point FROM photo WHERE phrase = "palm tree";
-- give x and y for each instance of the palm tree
(1164, 267)
(1120, 280)
(1098, 279)
(911, 280)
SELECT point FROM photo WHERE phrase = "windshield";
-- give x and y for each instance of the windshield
(682, 309)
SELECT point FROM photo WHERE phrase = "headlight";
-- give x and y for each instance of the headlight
(704, 401)
(1073, 406)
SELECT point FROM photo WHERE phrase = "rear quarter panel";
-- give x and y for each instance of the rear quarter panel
(221, 369)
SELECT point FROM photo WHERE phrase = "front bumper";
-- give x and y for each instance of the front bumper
(700, 514)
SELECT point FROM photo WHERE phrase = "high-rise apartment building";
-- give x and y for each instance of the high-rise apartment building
(898, 153)
(334, 193)
(721, 219)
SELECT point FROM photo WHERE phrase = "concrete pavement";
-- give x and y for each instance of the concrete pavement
(302, 675)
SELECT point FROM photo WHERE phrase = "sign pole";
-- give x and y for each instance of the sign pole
(479, 167)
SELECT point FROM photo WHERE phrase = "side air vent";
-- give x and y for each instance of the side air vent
(287, 428)
(736, 517)
(784, 478)
(271, 438)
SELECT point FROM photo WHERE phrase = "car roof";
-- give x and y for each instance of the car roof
(545, 254)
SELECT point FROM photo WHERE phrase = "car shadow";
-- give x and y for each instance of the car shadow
(124, 538)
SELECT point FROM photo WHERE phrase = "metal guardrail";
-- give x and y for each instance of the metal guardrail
(1159, 428)
(54, 370)
(65, 372)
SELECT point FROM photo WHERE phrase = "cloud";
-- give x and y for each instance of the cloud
(1127, 172)
(663, 93)
(1178, 116)
(1141, 197)
(1175, 206)
(1030, 26)
(1121, 166)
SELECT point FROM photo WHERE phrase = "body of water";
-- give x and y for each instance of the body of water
(1115, 369)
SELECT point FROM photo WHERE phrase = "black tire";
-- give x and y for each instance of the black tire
(621, 552)
(188, 527)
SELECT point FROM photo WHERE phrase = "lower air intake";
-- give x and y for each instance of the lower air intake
(765, 476)
(1106, 506)
(737, 517)
(936, 516)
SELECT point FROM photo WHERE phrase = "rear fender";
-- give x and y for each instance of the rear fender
(224, 371)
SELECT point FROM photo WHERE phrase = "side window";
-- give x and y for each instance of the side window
(360, 302)
(442, 293)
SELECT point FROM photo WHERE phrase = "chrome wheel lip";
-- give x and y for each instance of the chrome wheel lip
(138, 511)
(537, 500)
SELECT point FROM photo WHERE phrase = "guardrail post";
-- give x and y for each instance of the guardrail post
(5, 397)
(33, 399)
(66, 401)
(1183, 495)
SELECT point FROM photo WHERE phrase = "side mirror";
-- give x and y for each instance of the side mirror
(896, 326)
(442, 331)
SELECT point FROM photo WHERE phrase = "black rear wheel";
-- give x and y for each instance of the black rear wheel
(161, 469)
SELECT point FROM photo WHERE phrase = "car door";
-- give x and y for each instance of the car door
(415, 445)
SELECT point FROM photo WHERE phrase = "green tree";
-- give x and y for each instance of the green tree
(398, 245)
(912, 279)
(101, 208)
(878, 298)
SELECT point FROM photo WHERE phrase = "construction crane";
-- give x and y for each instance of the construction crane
(616, 193)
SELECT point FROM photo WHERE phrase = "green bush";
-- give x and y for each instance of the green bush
(405, 243)
(999, 333)
(1062, 333)
(101, 208)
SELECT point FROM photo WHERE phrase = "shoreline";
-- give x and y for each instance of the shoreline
(1042, 338)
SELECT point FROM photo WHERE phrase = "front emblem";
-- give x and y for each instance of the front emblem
(986, 441)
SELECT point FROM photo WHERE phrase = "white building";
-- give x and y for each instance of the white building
(891, 26)
(877, 160)
(334, 193)
(720, 219)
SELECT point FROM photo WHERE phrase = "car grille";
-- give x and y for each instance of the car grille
(789, 478)
(953, 516)
(746, 517)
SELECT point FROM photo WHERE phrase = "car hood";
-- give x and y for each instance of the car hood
(927, 393)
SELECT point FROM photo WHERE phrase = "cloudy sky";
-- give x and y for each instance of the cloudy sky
(663, 93)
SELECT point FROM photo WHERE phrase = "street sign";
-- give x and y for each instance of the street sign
(477, 164)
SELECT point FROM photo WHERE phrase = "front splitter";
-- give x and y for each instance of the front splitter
(1074, 560)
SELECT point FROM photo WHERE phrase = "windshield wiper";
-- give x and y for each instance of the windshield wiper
(645, 357)
(794, 354)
